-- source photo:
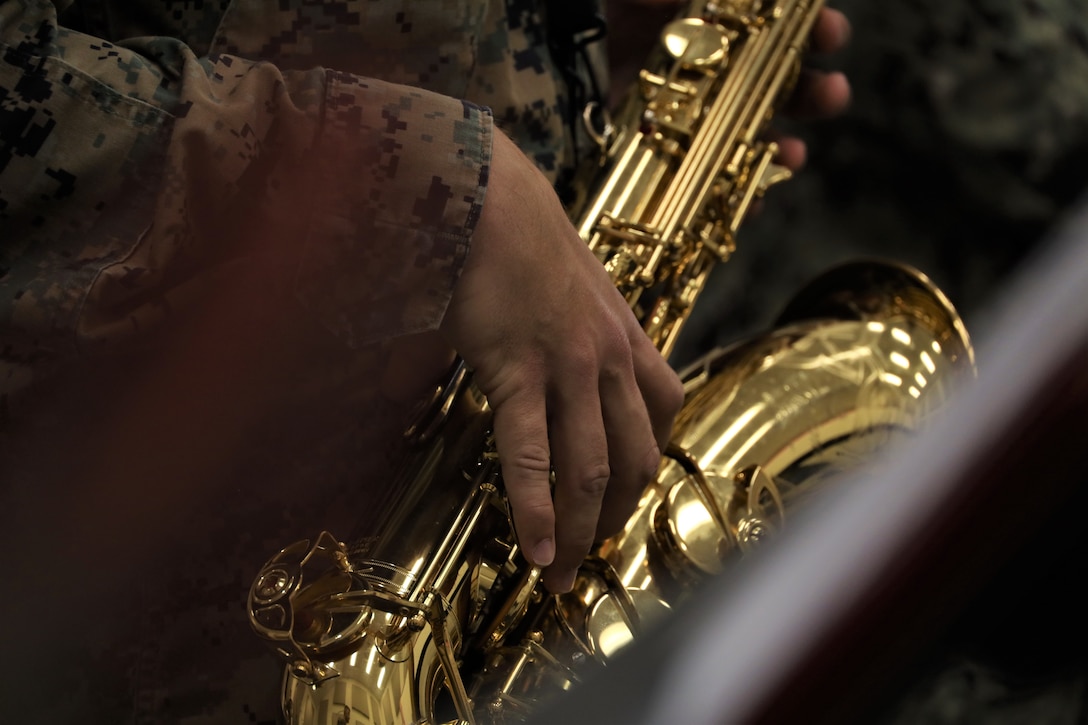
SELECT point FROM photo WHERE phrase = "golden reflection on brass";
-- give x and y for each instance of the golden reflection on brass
(695, 42)
(434, 616)
(608, 631)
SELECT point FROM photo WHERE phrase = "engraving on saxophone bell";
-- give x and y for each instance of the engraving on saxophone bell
(434, 615)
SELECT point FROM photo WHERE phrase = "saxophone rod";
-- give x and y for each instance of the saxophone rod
(710, 150)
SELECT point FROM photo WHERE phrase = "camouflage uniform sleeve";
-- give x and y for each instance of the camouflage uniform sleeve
(402, 173)
(138, 176)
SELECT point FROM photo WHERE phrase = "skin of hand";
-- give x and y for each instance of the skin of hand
(818, 94)
(574, 382)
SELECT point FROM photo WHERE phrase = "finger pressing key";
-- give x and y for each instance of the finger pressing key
(633, 451)
(581, 475)
(521, 439)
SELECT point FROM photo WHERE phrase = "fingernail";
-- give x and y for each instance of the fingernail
(544, 552)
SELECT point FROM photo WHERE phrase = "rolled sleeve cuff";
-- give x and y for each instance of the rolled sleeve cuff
(399, 184)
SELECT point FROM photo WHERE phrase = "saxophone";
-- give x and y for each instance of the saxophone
(433, 615)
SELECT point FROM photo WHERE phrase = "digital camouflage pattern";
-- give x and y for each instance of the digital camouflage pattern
(193, 196)
(967, 138)
(144, 156)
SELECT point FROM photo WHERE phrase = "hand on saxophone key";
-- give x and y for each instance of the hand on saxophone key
(575, 384)
(819, 94)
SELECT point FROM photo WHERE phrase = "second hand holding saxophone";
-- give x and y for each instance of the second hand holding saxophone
(433, 615)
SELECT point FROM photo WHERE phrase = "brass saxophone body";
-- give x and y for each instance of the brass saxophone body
(433, 615)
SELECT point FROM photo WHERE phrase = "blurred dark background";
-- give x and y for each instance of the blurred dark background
(966, 143)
